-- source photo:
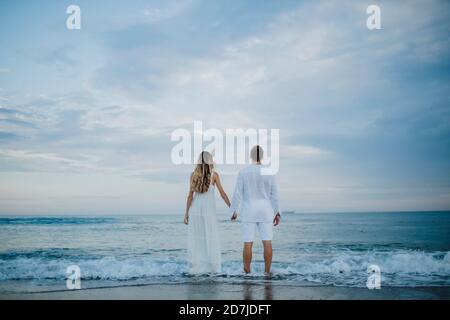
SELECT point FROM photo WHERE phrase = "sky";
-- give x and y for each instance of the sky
(86, 115)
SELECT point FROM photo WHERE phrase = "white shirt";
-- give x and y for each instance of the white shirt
(255, 196)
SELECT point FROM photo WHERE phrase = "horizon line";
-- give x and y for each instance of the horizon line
(289, 212)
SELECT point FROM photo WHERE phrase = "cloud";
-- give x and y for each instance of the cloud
(16, 117)
(47, 161)
(316, 69)
(167, 10)
(7, 136)
(301, 152)
(354, 107)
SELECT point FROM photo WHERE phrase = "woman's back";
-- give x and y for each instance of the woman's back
(204, 255)
(205, 203)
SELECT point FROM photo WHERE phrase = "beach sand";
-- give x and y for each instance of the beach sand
(217, 291)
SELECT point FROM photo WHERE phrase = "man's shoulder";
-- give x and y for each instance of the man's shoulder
(248, 168)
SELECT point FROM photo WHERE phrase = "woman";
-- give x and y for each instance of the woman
(204, 254)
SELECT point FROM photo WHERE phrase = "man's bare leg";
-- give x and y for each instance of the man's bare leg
(247, 256)
(267, 255)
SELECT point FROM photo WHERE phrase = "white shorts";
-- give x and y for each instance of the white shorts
(249, 230)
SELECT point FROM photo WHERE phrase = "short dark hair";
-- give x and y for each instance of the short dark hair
(257, 153)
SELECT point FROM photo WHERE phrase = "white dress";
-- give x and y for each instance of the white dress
(204, 255)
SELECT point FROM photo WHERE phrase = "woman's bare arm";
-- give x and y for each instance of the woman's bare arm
(189, 199)
(220, 188)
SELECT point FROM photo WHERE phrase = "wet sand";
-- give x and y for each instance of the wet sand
(216, 291)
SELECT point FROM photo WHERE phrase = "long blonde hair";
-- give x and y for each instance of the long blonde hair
(201, 177)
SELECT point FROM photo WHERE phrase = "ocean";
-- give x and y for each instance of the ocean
(412, 249)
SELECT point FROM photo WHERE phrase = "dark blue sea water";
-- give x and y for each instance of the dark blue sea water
(411, 249)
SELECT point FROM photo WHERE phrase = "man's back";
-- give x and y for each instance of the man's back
(255, 195)
(256, 199)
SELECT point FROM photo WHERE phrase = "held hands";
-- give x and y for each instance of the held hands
(277, 219)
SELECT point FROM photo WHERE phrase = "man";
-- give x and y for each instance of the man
(256, 199)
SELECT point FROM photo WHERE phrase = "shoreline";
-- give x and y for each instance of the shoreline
(245, 291)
